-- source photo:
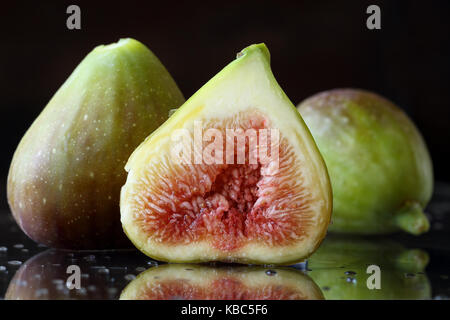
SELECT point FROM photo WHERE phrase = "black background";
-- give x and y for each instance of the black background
(315, 46)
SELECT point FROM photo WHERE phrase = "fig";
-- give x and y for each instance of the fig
(234, 175)
(340, 268)
(202, 282)
(380, 169)
(66, 173)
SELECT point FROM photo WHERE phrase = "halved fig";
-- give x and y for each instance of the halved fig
(234, 175)
(195, 282)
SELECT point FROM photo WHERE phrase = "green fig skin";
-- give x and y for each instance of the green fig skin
(65, 176)
(339, 267)
(380, 169)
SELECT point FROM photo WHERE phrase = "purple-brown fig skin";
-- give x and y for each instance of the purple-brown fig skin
(65, 177)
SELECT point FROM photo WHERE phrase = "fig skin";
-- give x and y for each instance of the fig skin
(66, 173)
(402, 275)
(202, 281)
(380, 169)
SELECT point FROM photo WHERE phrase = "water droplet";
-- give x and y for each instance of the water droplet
(3, 249)
(350, 273)
(90, 258)
(57, 281)
(129, 277)
(152, 263)
(103, 271)
(351, 280)
(140, 269)
(18, 246)
(82, 291)
(97, 267)
(15, 262)
(271, 272)
(326, 288)
(42, 292)
(24, 250)
(301, 265)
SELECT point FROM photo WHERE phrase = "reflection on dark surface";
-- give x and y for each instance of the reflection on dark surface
(339, 267)
(203, 282)
(103, 275)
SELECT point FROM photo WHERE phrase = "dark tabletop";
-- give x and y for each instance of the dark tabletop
(32, 271)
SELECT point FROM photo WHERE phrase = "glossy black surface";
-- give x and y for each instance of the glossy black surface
(32, 271)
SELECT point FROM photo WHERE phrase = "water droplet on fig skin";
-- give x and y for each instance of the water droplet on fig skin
(271, 272)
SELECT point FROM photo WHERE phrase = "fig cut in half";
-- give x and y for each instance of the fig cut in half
(200, 282)
(234, 175)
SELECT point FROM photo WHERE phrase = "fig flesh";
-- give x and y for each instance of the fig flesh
(229, 201)
(380, 169)
(65, 177)
(200, 282)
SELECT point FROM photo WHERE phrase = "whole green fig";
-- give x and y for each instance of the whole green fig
(65, 177)
(380, 169)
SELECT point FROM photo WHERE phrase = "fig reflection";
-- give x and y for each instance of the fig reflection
(339, 267)
(193, 282)
(102, 275)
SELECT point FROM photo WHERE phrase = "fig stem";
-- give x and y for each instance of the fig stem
(412, 219)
